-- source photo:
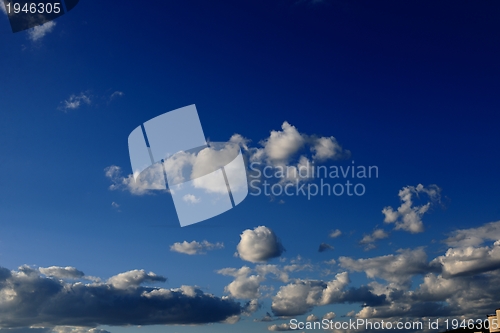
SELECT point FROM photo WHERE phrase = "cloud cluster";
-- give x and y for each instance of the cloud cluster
(462, 282)
(195, 247)
(300, 296)
(397, 268)
(286, 148)
(31, 298)
(408, 217)
(259, 245)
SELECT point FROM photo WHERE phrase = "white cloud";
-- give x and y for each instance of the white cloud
(335, 233)
(393, 268)
(150, 179)
(329, 315)
(474, 236)
(368, 240)
(408, 217)
(279, 327)
(259, 244)
(312, 317)
(244, 286)
(470, 260)
(300, 296)
(327, 148)
(133, 279)
(75, 101)
(191, 199)
(40, 31)
(282, 145)
(195, 247)
(62, 272)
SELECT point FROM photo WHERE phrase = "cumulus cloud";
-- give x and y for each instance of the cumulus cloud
(408, 217)
(74, 101)
(195, 247)
(31, 299)
(259, 245)
(474, 236)
(38, 32)
(287, 150)
(324, 247)
(470, 260)
(300, 296)
(397, 268)
(244, 286)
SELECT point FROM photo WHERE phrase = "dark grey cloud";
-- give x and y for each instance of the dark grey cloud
(32, 299)
(324, 247)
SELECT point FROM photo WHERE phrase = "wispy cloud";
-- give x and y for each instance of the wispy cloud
(195, 247)
(75, 101)
(38, 32)
(368, 240)
(335, 233)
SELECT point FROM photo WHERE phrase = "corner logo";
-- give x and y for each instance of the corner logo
(26, 14)
(205, 179)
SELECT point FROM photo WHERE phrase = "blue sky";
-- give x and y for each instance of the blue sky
(411, 88)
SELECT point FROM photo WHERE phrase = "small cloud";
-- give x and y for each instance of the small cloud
(335, 233)
(191, 199)
(279, 328)
(195, 247)
(259, 244)
(40, 31)
(368, 240)
(351, 313)
(312, 317)
(329, 315)
(116, 94)
(331, 262)
(74, 102)
(324, 247)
